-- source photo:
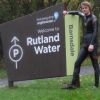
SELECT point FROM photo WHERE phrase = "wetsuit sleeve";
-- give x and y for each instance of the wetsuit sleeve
(95, 30)
(76, 13)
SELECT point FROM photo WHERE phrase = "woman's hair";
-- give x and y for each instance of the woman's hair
(86, 3)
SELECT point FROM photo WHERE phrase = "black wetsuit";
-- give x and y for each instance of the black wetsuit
(89, 37)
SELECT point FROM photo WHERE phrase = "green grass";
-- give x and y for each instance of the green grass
(50, 89)
(3, 73)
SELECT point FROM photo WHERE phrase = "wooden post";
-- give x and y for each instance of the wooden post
(11, 84)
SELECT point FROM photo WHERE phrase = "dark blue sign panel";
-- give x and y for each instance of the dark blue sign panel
(34, 45)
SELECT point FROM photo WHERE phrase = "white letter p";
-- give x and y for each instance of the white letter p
(15, 52)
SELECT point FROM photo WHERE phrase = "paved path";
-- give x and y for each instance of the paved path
(84, 70)
(3, 82)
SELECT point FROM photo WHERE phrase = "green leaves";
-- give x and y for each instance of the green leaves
(11, 9)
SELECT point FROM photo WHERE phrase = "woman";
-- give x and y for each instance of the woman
(89, 47)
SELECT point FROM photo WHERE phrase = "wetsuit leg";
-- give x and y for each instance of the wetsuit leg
(82, 55)
(95, 64)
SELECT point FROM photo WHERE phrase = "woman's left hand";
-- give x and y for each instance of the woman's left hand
(65, 12)
(91, 48)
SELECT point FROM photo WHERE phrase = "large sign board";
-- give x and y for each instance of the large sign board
(34, 45)
(41, 44)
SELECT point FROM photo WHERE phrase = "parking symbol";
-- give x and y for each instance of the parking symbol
(15, 52)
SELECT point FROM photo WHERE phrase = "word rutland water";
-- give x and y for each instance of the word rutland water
(42, 44)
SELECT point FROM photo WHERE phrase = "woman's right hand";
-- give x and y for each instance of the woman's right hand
(91, 48)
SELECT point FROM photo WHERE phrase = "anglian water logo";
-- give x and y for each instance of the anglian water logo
(48, 19)
(56, 15)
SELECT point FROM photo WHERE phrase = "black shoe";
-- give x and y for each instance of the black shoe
(70, 86)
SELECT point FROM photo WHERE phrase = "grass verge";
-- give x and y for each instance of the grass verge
(50, 89)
